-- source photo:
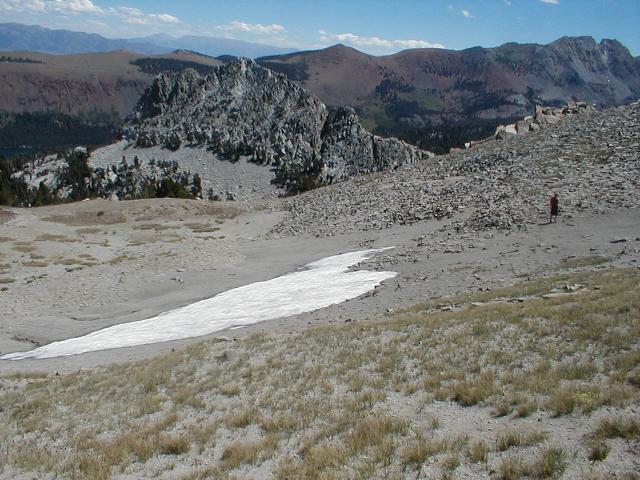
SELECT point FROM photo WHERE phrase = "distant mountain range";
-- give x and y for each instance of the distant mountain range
(433, 98)
(19, 37)
(411, 93)
(110, 82)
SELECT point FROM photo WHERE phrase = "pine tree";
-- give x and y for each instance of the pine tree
(196, 186)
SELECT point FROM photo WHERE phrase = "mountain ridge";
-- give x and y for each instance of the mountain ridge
(244, 110)
(412, 92)
(433, 98)
(109, 82)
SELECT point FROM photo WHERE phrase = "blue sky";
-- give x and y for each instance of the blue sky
(373, 26)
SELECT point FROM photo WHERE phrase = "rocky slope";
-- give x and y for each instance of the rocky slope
(415, 89)
(245, 110)
(592, 160)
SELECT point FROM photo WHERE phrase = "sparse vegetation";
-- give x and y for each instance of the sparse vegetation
(588, 261)
(324, 403)
(619, 427)
(250, 451)
(598, 451)
(479, 451)
(512, 438)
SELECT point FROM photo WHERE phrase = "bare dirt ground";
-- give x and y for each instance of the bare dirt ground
(496, 354)
(72, 269)
(446, 371)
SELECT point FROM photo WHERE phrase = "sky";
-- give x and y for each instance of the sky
(378, 27)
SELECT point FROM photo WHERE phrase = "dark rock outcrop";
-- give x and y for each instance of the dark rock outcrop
(245, 110)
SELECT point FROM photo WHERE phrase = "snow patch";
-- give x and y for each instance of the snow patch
(317, 285)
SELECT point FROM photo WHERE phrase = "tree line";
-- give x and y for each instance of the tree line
(51, 131)
(74, 179)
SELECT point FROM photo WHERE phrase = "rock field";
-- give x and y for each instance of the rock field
(590, 160)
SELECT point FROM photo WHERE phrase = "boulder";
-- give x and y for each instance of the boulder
(522, 127)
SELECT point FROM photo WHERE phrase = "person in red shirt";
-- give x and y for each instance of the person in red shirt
(553, 207)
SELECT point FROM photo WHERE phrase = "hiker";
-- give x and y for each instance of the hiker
(553, 207)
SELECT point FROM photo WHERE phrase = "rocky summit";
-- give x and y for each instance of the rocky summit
(245, 110)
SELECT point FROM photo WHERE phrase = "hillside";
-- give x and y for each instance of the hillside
(105, 82)
(411, 93)
(432, 98)
(496, 345)
(53, 102)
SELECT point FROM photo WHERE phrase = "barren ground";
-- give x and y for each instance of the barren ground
(492, 354)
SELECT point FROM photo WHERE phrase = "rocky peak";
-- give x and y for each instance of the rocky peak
(581, 43)
(244, 110)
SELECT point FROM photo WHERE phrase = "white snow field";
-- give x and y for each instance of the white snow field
(319, 284)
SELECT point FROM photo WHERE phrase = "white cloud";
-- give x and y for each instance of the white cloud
(551, 2)
(129, 15)
(467, 13)
(380, 43)
(74, 6)
(136, 16)
(254, 28)
(22, 5)
(50, 6)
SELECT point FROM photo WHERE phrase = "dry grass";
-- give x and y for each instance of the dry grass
(579, 262)
(24, 247)
(202, 227)
(152, 226)
(479, 451)
(74, 261)
(354, 400)
(513, 438)
(249, 451)
(242, 418)
(35, 264)
(48, 237)
(88, 230)
(173, 444)
(88, 219)
(549, 464)
(619, 427)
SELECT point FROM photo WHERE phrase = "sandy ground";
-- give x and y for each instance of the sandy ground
(248, 182)
(72, 269)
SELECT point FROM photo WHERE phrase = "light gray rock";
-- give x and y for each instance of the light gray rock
(522, 127)
(493, 186)
(243, 109)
